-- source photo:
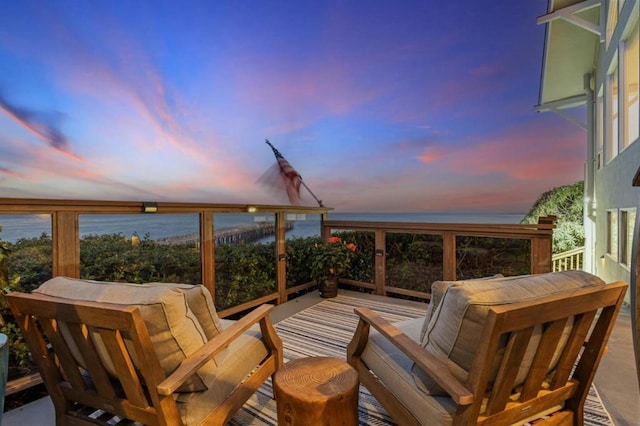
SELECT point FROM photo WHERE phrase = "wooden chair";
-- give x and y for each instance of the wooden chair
(489, 395)
(59, 331)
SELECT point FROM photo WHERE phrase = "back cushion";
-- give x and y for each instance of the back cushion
(437, 291)
(201, 304)
(174, 330)
(456, 324)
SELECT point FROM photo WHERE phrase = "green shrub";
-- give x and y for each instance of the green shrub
(567, 204)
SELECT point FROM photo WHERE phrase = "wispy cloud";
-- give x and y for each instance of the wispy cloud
(43, 125)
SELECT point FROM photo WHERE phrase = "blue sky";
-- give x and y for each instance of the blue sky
(380, 105)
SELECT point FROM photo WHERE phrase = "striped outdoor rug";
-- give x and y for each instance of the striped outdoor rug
(325, 329)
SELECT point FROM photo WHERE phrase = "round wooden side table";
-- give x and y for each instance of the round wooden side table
(318, 391)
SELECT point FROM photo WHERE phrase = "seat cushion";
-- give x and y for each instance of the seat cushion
(235, 363)
(393, 368)
(173, 328)
(457, 322)
(201, 304)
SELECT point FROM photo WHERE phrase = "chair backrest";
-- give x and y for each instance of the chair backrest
(509, 329)
(48, 323)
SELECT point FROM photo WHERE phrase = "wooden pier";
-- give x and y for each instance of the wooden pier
(233, 235)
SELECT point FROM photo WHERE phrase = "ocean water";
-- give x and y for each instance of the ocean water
(157, 226)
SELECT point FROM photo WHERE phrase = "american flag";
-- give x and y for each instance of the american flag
(290, 176)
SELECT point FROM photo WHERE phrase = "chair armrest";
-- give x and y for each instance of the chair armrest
(210, 349)
(435, 368)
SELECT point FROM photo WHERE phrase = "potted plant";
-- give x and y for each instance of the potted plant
(331, 260)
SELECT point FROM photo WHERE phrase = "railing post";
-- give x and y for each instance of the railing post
(65, 238)
(325, 231)
(542, 248)
(207, 252)
(380, 264)
(449, 256)
(281, 257)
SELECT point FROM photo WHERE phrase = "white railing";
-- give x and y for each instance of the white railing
(568, 260)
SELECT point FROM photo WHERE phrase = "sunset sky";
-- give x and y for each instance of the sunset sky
(381, 106)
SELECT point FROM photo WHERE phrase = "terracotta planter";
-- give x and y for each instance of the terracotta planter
(328, 287)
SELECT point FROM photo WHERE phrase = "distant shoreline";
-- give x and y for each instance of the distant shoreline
(156, 227)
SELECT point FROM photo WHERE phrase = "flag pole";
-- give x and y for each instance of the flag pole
(312, 194)
(279, 155)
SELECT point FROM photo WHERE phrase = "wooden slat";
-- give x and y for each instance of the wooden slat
(39, 205)
(407, 292)
(508, 371)
(207, 254)
(542, 360)
(449, 256)
(272, 341)
(99, 375)
(380, 262)
(26, 382)
(123, 364)
(462, 229)
(147, 416)
(541, 249)
(65, 236)
(281, 257)
(72, 369)
(300, 287)
(516, 412)
(248, 305)
(570, 353)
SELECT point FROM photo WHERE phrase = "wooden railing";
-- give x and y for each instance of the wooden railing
(65, 233)
(568, 260)
(540, 235)
(66, 238)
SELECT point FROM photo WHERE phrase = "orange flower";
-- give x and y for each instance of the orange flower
(334, 240)
(352, 247)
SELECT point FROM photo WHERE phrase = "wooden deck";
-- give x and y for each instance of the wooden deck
(615, 380)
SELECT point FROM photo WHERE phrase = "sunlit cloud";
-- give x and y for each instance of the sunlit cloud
(431, 154)
(8, 172)
(41, 124)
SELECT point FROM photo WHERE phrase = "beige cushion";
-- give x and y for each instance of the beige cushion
(456, 324)
(437, 291)
(174, 330)
(393, 368)
(235, 363)
(201, 304)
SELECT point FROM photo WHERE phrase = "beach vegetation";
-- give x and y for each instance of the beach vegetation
(567, 204)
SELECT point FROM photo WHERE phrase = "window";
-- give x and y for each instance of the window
(612, 233)
(627, 224)
(630, 88)
(612, 88)
(599, 131)
(612, 19)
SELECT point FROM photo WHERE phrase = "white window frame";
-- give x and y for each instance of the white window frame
(624, 138)
(600, 131)
(627, 221)
(613, 238)
(612, 120)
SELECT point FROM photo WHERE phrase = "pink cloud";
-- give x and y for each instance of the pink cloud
(116, 68)
(526, 153)
(12, 173)
(286, 87)
(431, 154)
